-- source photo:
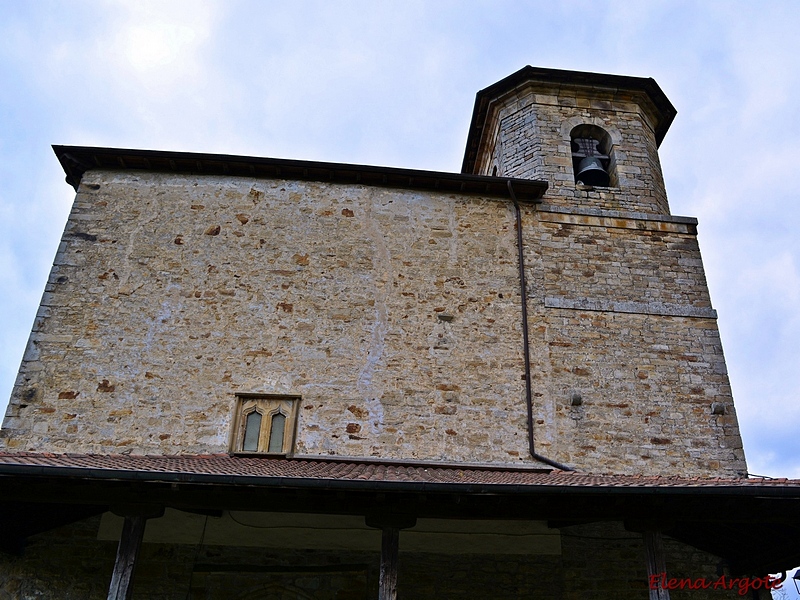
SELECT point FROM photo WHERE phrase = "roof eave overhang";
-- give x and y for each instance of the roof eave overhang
(77, 160)
(763, 492)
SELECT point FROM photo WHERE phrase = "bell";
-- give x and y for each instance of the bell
(591, 172)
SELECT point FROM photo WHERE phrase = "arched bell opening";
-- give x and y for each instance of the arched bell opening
(593, 156)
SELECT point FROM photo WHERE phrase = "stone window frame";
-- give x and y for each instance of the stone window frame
(267, 405)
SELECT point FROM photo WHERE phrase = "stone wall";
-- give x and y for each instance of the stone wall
(394, 315)
(171, 294)
(623, 319)
(600, 561)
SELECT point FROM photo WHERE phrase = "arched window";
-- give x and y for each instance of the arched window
(265, 423)
(252, 432)
(276, 433)
(593, 156)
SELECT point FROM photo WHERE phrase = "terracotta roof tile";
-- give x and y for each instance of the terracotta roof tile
(322, 468)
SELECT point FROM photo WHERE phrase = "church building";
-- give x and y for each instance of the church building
(259, 378)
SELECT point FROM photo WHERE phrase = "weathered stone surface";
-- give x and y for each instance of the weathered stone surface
(333, 293)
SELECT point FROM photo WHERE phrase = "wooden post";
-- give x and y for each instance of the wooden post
(656, 564)
(390, 545)
(390, 525)
(121, 587)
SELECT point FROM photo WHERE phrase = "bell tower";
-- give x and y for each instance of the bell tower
(594, 138)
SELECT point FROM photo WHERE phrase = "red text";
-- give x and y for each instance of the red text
(741, 584)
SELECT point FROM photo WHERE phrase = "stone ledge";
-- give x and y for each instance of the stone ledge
(643, 308)
(617, 218)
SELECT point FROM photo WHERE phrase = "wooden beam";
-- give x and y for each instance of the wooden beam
(130, 542)
(656, 564)
(390, 549)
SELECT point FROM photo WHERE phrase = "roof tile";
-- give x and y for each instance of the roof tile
(325, 468)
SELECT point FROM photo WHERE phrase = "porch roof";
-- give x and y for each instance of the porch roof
(753, 523)
(336, 471)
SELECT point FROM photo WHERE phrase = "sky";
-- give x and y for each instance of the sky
(393, 83)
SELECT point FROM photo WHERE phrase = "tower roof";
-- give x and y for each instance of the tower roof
(657, 104)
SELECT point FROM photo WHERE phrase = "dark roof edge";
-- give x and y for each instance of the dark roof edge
(485, 96)
(110, 474)
(472, 466)
(76, 160)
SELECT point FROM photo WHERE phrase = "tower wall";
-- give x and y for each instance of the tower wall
(527, 135)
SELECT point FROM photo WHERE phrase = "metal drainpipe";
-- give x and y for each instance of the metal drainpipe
(523, 285)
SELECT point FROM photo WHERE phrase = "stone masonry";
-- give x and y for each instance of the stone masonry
(528, 136)
(394, 315)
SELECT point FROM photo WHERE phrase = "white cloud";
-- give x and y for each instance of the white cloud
(158, 45)
(155, 46)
